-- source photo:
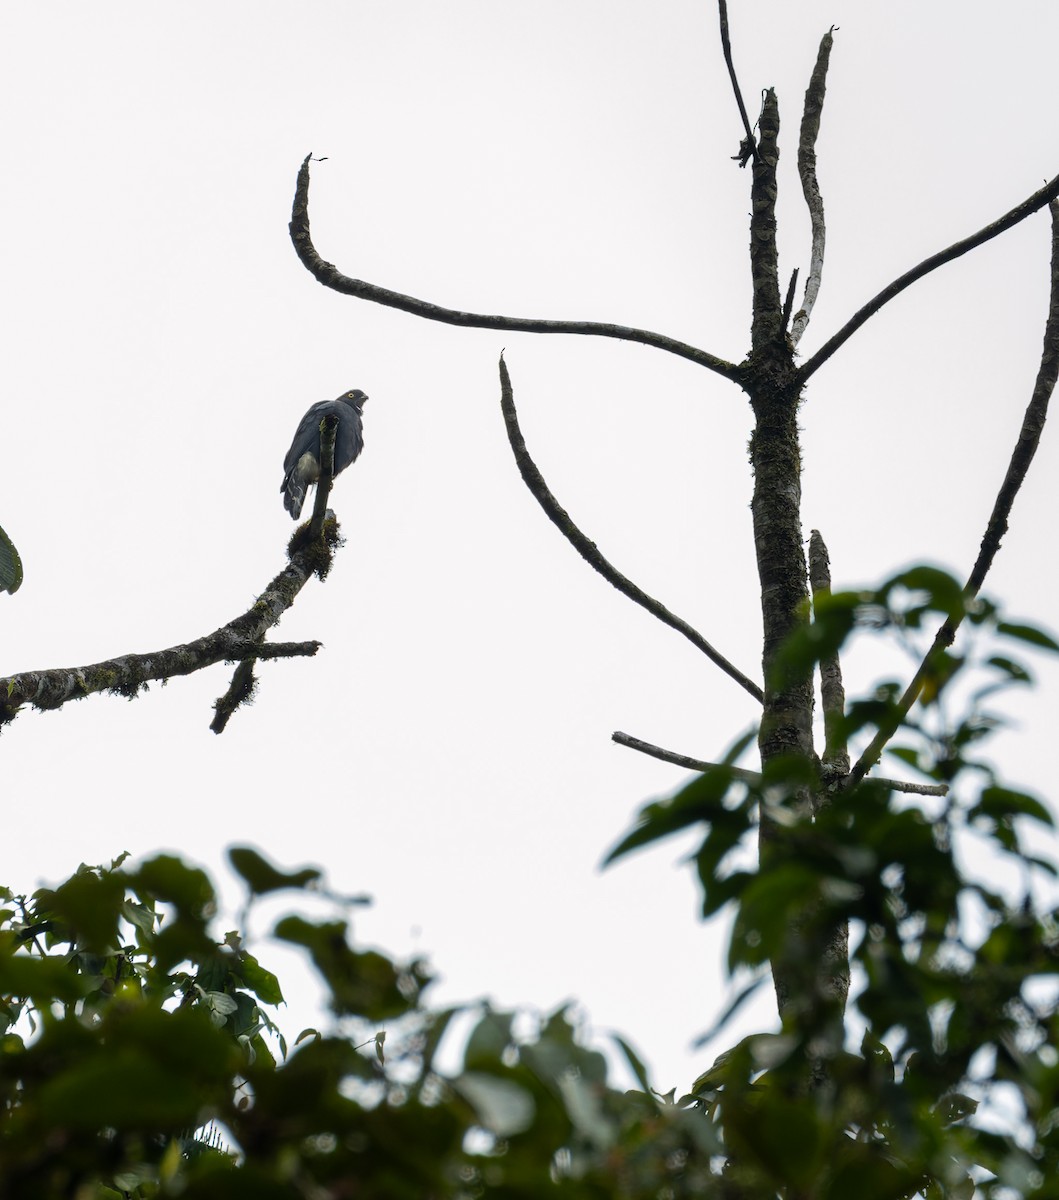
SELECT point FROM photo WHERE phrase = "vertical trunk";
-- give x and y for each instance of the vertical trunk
(809, 972)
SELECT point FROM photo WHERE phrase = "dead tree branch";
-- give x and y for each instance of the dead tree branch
(835, 761)
(329, 275)
(237, 641)
(1025, 448)
(587, 549)
(748, 147)
(698, 764)
(1027, 208)
(810, 130)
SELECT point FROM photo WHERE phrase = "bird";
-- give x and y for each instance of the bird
(302, 464)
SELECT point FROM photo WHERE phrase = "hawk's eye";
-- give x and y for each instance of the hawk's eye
(349, 395)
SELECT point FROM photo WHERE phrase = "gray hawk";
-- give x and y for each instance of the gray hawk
(302, 464)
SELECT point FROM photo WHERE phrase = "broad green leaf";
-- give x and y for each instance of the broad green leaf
(262, 877)
(488, 1041)
(637, 1065)
(1001, 804)
(41, 980)
(10, 565)
(1028, 633)
(168, 878)
(502, 1106)
(261, 982)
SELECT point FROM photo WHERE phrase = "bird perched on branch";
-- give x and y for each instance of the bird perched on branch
(302, 464)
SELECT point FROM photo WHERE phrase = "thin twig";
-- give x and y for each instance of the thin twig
(698, 764)
(788, 303)
(1025, 448)
(814, 105)
(1027, 208)
(748, 149)
(587, 549)
(329, 275)
(832, 693)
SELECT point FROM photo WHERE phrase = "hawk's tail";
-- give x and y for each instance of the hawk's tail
(293, 496)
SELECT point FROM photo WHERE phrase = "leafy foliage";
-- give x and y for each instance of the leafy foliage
(141, 1057)
(127, 1027)
(956, 973)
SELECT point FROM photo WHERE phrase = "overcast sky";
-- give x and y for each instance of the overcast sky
(449, 751)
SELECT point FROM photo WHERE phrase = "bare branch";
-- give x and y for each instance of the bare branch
(814, 105)
(766, 331)
(1025, 448)
(1035, 202)
(329, 275)
(832, 694)
(236, 641)
(679, 760)
(748, 147)
(328, 434)
(698, 764)
(587, 549)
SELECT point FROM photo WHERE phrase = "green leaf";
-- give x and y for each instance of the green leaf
(502, 1106)
(1001, 804)
(702, 800)
(1013, 670)
(364, 983)
(262, 877)
(1028, 633)
(41, 980)
(10, 565)
(944, 591)
(637, 1065)
(262, 983)
(167, 878)
(91, 905)
(488, 1041)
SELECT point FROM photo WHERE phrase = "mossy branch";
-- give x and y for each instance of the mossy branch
(240, 640)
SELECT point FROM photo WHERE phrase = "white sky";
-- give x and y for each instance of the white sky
(449, 750)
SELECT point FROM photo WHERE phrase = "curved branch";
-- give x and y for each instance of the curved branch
(329, 275)
(1025, 448)
(814, 106)
(237, 641)
(587, 549)
(1027, 208)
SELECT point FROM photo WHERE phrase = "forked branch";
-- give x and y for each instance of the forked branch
(329, 275)
(588, 550)
(1025, 448)
(240, 641)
